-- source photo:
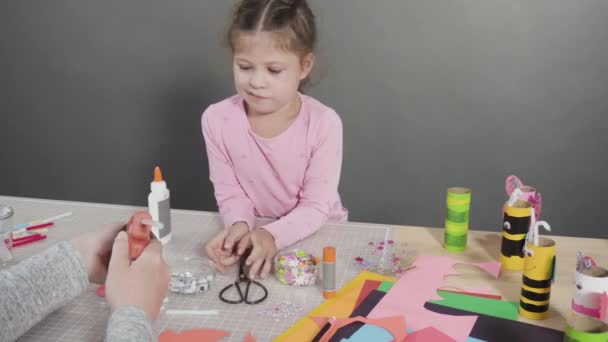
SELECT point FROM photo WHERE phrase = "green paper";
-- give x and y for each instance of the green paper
(385, 286)
(487, 306)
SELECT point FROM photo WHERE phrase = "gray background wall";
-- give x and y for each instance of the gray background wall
(434, 93)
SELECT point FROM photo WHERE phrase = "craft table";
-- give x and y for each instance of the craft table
(85, 318)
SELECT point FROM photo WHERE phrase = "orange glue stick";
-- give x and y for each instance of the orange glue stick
(329, 272)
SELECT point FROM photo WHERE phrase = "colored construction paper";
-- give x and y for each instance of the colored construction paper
(491, 267)
(249, 338)
(491, 307)
(386, 286)
(483, 295)
(362, 310)
(368, 304)
(368, 287)
(395, 325)
(428, 334)
(469, 339)
(195, 335)
(320, 321)
(419, 285)
(494, 329)
(369, 332)
(340, 306)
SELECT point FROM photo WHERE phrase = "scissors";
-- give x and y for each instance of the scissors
(243, 296)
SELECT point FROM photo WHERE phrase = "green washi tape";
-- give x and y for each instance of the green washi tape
(457, 219)
(458, 216)
(455, 243)
(586, 329)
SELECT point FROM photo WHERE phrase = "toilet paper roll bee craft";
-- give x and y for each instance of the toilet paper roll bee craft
(517, 190)
(591, 292)
(517, 218)
(539, 273)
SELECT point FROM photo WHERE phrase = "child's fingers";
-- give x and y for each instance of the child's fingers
(230, 260)
(255, 268)
(212, 254)
(232, 238)
(244, 243)
(267, 267)
(256, 254)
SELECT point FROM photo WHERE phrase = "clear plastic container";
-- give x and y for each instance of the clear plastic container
(191, 275)
(296, 268)
(6, 236)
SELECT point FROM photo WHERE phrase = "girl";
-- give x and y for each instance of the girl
(273, 152)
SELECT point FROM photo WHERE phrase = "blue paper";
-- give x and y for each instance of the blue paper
(370, 332)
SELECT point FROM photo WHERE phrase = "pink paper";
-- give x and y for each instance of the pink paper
(419, 285)
(427, 335)
(491, 267)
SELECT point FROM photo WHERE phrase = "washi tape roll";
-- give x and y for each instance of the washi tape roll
(539, 266)
(296, 268)
(585, 329)
(515, 226)
(457, 220)
(591, 294)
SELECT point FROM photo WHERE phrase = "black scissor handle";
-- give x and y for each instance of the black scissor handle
(259, 300)
(229, 301)
(244, 297)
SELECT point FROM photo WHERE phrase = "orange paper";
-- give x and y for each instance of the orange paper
(249, 338)
(394, 325)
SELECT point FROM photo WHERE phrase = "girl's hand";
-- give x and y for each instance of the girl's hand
(220, 248)
(96, 248)
(264, 250)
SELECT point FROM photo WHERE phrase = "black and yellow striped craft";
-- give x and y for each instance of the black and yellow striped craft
(516, 222)
(539, 266)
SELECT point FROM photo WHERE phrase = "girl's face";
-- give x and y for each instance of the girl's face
(266, 76)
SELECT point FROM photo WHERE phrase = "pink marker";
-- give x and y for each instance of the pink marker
(28, 240)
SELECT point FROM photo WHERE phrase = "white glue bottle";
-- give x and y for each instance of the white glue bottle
(159, 207)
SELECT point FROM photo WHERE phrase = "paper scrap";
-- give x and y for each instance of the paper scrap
(419, 285)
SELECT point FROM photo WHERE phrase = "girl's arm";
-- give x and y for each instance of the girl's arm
(234, 205)
(319, 190)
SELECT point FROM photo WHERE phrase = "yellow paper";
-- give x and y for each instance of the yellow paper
(341, 306)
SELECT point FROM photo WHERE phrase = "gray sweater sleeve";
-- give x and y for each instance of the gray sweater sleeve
(129, 324)
(43, 283)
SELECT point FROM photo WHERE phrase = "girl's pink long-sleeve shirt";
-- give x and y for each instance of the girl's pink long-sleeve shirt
(292, 177)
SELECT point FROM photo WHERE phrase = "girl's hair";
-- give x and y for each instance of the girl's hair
(292, 21)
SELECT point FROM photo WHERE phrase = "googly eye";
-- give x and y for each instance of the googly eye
(506, 225)
(579, 286)
(529, 252)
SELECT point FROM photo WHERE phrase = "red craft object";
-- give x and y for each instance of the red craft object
(139, 233)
